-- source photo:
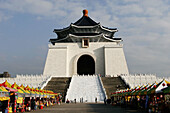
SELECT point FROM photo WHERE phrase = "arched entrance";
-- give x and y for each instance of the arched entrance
(85, 65)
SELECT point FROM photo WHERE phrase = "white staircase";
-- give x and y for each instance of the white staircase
(86, 87)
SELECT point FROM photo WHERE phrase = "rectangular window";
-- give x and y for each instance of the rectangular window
(85, 42)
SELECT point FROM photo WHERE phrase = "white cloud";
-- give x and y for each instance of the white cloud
(41, 7)
(4, 17)
(145, 30)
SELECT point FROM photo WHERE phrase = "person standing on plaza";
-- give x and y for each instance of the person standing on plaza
(75, 100)
(82, 99)
(105, 100)
(96, 99)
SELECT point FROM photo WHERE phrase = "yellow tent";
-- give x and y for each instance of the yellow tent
(25, 89)
(2, 89)
(15, 86)
(6, 84)
(4, 94)
(31, 90)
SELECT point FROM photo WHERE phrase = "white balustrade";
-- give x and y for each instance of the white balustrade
(31, 80)
(142, 79)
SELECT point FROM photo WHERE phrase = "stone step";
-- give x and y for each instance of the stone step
(60, 79)
(52, 87)
(59, 85)
(58, 82)
(86, 87)
(111, 84)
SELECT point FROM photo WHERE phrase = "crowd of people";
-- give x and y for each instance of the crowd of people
(34, 104)
(81, 100)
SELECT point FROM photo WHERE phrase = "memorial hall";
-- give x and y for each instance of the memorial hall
(85, 48)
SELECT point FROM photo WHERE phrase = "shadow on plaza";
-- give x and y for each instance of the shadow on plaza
(101, 108)
(86, 108)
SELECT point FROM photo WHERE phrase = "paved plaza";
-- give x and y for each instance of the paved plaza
(86, 108)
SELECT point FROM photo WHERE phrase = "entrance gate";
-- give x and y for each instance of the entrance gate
(85, 65)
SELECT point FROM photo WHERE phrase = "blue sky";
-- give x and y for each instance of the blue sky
(27, 25)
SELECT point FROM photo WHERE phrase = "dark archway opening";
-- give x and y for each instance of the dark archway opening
(85, 65)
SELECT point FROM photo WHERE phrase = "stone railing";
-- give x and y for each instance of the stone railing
(142, 79)
(101, 83)
(30, 80)
(44, 83)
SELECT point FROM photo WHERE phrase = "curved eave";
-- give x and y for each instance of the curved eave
(75, 26)
(107, 29)
(100, 35)
(61, 30)
(72, 25)
(57, 40)
(74, 36)
(85, 26)
(99, 25)
(112, 39)
(71, 35)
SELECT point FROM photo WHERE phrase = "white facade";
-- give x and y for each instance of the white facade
(108, 56)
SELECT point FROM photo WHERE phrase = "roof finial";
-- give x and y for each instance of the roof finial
(85, 12)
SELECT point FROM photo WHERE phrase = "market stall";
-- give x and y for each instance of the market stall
(15, 98)
(12, 95)
(153, 97)
(27, 96)
(4, 99)
(20, 95)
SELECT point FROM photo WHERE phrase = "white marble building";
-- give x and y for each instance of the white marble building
(85, 47)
